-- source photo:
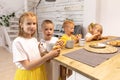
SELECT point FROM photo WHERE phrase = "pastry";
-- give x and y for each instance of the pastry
(114, 43)
(56, 47)
(59, 44)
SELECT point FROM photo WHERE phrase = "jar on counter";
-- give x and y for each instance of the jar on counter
(81, 42)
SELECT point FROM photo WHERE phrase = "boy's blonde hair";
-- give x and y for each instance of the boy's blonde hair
(93, 25)
(67, 22)
(46, 22)
(22, 19)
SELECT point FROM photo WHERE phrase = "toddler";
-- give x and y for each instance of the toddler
(94, 32)
(68, 27)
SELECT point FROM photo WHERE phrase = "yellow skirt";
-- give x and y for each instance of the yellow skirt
(38, 73)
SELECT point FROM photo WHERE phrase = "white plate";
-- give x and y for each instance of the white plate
(98, 45)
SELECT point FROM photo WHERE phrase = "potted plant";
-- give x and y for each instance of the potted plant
(4, 19)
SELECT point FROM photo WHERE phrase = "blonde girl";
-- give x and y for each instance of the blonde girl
(26, 54)
(94, 32)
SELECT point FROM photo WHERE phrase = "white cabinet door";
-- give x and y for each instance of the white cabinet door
(72, 77)
(80, 77)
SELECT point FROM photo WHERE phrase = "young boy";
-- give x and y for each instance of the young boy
(48, 39)
(68, 27)
(68, 35)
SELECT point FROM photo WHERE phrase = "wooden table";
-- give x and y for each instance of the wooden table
(108, 70)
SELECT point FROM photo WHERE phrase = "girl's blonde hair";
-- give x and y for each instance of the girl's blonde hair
(67, 22)
(22, 19)
(93, 25)
(46, 22)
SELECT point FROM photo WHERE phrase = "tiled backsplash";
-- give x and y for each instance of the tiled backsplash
(60, 10)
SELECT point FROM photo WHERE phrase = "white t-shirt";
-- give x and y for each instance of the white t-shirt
(52, 67)
(45, 43)
(25, 49)
(88, 35)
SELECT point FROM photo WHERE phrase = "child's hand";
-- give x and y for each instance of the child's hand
(96, 36)
(41, 49)
(77, 37)
(99, 37)
(54, 53)
(104, 37)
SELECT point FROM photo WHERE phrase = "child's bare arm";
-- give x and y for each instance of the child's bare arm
(88, 39)
(32, 64)
(93, 37)
(104, 37)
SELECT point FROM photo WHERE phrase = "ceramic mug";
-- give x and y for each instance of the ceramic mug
(70, 44)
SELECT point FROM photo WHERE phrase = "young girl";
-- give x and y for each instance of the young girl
(26, 54)
(94, 32)
(49, 41)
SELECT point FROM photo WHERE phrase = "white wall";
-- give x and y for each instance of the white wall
(9, 6)
(110, 16)
(89, 12)
(105, 12)
(59, 10)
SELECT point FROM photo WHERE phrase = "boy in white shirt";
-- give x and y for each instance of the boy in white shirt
(47, 42)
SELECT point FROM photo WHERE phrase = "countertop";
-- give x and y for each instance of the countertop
(107, 70)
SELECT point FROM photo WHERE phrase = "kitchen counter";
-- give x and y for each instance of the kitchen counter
(107, 70)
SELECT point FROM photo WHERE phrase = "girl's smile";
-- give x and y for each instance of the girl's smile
(29, 26)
